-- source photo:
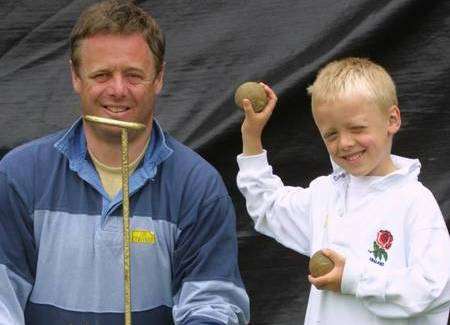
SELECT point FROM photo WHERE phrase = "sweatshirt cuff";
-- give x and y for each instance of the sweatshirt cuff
(252, 162)
(351, 277)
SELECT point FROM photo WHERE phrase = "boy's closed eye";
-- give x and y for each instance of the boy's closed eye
(358, 128)
(330, 135)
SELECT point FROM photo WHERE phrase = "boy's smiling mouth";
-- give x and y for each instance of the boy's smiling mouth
(353, 157)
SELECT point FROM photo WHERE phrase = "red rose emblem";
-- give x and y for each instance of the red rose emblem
(384, 239)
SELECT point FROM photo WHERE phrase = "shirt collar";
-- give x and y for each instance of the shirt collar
(406, 169)
(73, 145)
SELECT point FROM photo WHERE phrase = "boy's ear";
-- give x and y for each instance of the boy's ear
(394, 119)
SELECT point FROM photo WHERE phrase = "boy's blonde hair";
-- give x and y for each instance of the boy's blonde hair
(345, 76)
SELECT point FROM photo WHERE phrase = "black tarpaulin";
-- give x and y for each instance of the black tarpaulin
(212, 47)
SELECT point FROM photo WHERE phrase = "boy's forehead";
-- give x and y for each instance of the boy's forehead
(338, 99)
(363, 95)
(349, 106)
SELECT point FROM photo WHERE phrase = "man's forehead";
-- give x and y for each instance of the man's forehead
(110, 49)
(104, 37)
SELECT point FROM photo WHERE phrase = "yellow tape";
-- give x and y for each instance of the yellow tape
(143, 237)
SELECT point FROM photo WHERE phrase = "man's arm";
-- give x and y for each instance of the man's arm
(207, 284)
(17, 253)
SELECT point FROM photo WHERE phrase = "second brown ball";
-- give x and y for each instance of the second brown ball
(320, 264)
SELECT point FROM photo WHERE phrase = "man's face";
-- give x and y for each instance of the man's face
(358, 135)
(116, 79)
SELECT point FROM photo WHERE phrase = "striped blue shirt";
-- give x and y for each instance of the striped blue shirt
(61, 254)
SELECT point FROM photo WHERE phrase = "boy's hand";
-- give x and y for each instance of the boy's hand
(254, 123)
(332, 280)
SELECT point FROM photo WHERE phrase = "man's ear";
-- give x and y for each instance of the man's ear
(159, 79)
(394, 119)
(76, 81)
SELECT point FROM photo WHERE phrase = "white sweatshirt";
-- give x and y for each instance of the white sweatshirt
(394, 239)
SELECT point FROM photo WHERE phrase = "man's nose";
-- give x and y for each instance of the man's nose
(117, 86)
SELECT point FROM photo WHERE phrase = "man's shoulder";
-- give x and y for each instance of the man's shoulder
(27, 153)
(185, 158)
(190, 171)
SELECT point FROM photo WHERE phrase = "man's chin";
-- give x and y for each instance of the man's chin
(107, 133)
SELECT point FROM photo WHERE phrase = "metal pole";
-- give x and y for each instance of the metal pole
(125, 205)
(126, 228)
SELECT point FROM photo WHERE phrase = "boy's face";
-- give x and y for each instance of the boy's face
(358, 134)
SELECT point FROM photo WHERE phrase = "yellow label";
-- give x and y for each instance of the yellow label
(143, 237)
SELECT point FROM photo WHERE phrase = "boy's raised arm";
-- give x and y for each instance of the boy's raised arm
(278, 211)
(254, 123)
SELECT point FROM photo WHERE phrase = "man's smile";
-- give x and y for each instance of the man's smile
(116, 108)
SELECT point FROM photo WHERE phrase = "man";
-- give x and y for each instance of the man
(60, 201)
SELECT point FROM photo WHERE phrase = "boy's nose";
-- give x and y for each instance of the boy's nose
(346, 141)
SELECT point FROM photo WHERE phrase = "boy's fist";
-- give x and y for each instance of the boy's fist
(254, 92)
(332, 280)
(320, 264)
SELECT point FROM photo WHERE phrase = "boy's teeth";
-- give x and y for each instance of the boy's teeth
(354, 157)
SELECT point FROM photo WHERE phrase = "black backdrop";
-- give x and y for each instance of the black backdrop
(212, 47)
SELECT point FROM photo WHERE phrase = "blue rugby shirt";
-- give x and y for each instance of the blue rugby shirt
(61, 238)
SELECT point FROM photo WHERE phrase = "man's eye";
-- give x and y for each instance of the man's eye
(100, 77)
(135, 79)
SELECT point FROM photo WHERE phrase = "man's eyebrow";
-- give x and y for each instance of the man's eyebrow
(134, 69)
(99, 70)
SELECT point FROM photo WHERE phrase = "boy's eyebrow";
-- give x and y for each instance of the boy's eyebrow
(357, 122)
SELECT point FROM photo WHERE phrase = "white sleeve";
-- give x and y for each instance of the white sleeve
(421, 287)
(279, 211)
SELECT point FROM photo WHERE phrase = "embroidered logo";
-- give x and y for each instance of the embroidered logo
(143, 237)
(380, 246)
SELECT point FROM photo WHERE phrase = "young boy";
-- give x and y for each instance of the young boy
(381, 227)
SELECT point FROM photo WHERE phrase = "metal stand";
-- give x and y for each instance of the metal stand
(125, 126)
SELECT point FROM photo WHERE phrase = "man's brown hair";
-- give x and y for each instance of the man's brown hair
(117, 17)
